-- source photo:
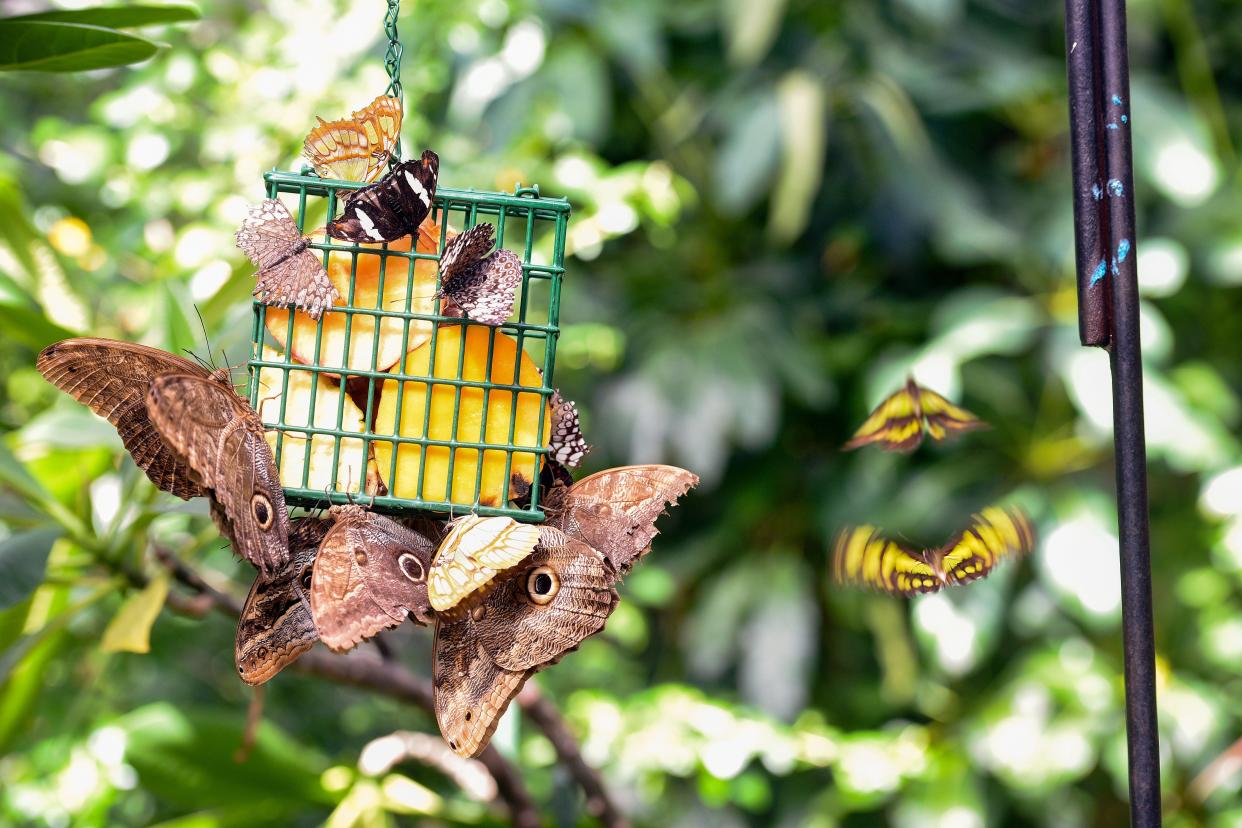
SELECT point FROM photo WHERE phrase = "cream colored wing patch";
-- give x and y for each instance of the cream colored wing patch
(475, 550)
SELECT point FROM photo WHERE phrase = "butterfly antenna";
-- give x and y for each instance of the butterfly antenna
(206, 338)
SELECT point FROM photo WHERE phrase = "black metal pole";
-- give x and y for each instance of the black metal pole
(1109, 110)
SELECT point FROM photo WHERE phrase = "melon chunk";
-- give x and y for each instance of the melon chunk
(366, 294)
(297, 470)
(466, 359)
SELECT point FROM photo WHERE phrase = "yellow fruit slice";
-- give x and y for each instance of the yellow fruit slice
(468, 360)
(366, 294)
(294, 462)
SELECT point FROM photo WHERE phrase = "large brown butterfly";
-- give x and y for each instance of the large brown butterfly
(559, 596)
(615, 510)
(276, 625)
(897, 424)
(371, 575)
(112, 378)
(220, 437)
(291, 274)
(392, 207)
(355, 148)
(863, 557)
(477, 282)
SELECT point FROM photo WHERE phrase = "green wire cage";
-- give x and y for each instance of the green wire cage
(342, 391)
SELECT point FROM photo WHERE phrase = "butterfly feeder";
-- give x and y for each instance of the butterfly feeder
(392, 397)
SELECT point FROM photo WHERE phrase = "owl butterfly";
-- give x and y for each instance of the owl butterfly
(112, 379)
(220, 438)
(567, 443)
(897, 424)
(355, 148)
(559, 596)
(470, 557)
(392, 207)
(276, 625)
(862, 557)
(291, 274)
(477, 282)
(371, 575)
(615, 510)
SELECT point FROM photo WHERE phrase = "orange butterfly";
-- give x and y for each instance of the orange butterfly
(356, 148)
(897, 424)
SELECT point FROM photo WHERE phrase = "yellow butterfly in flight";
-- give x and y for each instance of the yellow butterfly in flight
(355, 148)
(897, 424)
(473, 553)
(862, 557)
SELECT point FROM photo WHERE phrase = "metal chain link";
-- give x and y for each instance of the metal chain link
(392, 63)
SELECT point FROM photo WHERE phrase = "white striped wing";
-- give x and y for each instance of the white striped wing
(474, 552)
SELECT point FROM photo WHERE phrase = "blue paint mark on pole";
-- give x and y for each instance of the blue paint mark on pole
(1100, 271)
(1125, 119)
(1111, 126)
(1123, 250)
(1097, 191)
(1116, 100)
(1115, 188)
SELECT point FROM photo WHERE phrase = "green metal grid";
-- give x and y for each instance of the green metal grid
(521, 219)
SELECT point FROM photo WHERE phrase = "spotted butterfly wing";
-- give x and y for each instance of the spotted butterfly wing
(897, 424)
(290, 273)
(996, 533)
(356, 148)
(559, 596)
(470, 557)
(392, 207)
(276, 626)
(567, 443)
(371, 575)
(477, 282)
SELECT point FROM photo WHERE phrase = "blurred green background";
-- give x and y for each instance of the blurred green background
(780, 208)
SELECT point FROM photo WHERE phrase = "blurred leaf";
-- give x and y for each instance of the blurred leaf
(117, 17)
(186, 758)
(23, 684)
(67, 47)
(746, 163)
(179, 330)
(23, 560)
(15, 474)
(130, 629)
(751, 26)
(30, 327)
(804, 130)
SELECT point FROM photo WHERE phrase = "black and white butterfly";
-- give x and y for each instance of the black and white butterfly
(567, 444)
(477, 282)
(392, 207)
(291, 274)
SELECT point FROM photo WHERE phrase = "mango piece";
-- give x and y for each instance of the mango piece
(366, 295)
(351, 470)
(470, 363)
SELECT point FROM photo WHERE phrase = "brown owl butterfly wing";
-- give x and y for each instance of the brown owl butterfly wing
(615, 510)
(112, 379)
(371, 575)
(220, 438)
(562, 595)
(276, 625)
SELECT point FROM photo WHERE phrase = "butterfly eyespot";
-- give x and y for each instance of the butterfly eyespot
(452, 745)
(306, 578)
(412, 567)
(469, 715)
(360, 555)
(261, 508)
(479, 612)
(542, 585)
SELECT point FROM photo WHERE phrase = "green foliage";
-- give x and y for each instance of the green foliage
(75, 40)
(780, 209)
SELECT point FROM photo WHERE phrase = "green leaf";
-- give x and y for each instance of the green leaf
(30, 327)
(14, 474)
(130, 629)
(38, 46)
(23, 560)
(804, 128)
(117, 17)
(16, 231)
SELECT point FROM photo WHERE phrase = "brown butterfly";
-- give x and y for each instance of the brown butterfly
(276, 624)
(220, 438)
(371, 575)
(112, 378)
(615, 510)
(477, 282)
(559, 596)
(291, 274)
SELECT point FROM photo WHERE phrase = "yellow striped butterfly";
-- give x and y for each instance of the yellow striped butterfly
(472, 554)
(355, 148)
(897, 424)
(863, 557)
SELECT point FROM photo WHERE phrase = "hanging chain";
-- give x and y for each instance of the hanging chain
(392, 63)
